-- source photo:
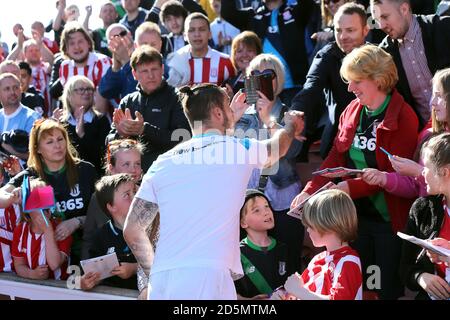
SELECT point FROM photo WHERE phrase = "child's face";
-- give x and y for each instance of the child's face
(258, 216)
(174, 24)
(36, 217)
(438, 104)
(128, 161)
(434, 178)
(123, 196)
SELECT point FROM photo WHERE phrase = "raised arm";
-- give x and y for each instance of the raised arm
(59, 17)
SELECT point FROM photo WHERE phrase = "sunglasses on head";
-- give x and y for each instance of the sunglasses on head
(266, 72)
(122, 33)
(328, 1)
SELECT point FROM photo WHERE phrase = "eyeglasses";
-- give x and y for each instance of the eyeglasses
(267, 72)
(122, 33)
(328, 1)
(83, 90)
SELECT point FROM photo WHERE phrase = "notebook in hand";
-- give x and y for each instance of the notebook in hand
(298, 210)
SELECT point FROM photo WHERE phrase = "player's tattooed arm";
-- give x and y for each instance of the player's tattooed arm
(140, 217)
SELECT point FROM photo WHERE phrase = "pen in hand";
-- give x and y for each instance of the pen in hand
(423, 251)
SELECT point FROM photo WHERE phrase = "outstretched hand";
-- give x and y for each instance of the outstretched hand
(296, 119)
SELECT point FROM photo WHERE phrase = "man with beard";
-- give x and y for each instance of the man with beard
(280, 24)
(14, 115)
(198, 188)
(350, 30)
(153, 112)
(77, 47)
(419, 47)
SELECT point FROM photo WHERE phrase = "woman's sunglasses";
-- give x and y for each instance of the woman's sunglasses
(266, 72)
(121, 34)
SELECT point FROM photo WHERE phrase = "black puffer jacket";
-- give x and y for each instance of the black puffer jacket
(162, 114)
(292, 20)
(425, 217)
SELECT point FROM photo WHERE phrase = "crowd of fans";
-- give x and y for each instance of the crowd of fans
(88, 112)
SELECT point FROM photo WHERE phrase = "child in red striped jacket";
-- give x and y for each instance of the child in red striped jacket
(334, 274)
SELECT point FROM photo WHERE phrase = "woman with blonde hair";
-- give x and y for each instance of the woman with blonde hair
(53, 159)
(378, 117)
(87, 127)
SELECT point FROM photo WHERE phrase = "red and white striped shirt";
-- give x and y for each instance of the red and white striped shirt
(40, 80)
(9, 218)
(215, 67)
(336, 274)
(31, 246)
(51, 45)
(95, 69)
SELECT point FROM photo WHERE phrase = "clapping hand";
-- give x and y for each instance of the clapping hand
(79, 116)
(125, 124)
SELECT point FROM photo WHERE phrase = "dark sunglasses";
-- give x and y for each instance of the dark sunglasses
(122, 33)
(328, 1)
(267, 72)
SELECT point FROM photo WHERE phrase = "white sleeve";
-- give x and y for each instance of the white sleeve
(257, 152)
(147, 190)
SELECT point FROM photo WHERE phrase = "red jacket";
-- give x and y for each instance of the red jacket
(397, 133)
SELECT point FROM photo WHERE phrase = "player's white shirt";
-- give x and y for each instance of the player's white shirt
(199, 187)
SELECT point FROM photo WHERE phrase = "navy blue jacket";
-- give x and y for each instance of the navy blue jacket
(324, 75)
(292, 20)
(162, 114)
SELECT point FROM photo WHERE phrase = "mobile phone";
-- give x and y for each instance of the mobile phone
(258, 82)
(384, 150)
